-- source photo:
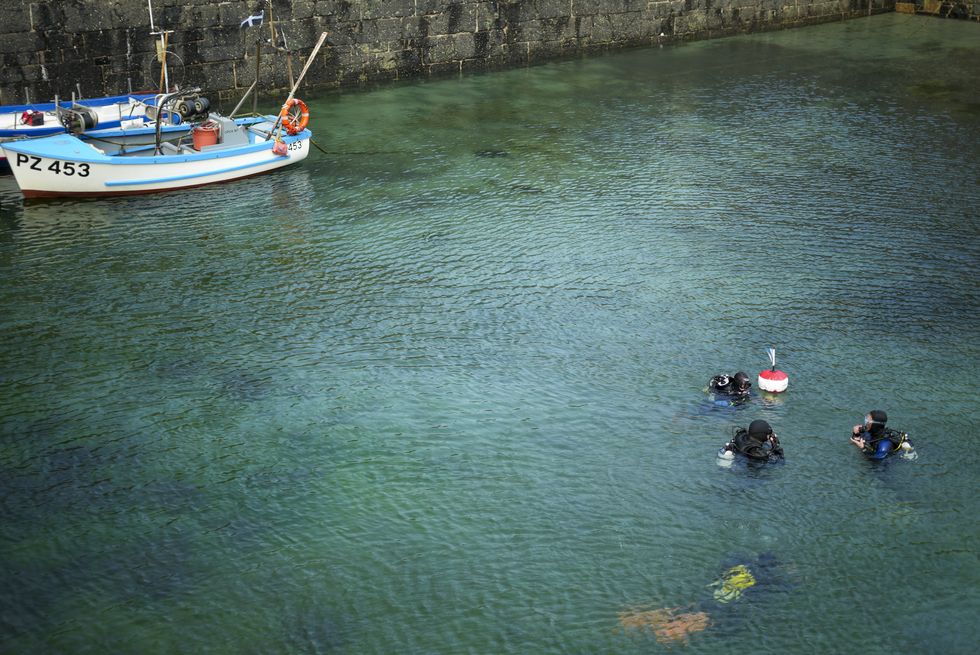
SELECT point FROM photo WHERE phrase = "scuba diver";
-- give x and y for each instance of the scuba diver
(730, 389)
(740, 577)
(878, 442)
(758, 443)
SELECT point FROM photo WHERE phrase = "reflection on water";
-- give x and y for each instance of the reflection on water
(440, 390)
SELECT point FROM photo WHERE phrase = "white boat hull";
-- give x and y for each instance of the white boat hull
(82, 170)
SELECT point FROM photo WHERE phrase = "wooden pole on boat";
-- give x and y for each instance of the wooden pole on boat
(309, 62)
(162, 56)
(289, 66)
(161, 50)
(241, 102)
(292, 92)
(258, 58)
(272, 25)
(275, 45)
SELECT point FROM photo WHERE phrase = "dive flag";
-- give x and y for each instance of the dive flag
(252, 21)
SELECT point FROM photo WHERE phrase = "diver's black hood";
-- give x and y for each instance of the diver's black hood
(879, 418)
(759, 430)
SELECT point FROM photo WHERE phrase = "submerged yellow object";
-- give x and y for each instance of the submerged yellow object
(732, 583)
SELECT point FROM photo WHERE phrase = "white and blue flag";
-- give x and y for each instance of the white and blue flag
(252, 21)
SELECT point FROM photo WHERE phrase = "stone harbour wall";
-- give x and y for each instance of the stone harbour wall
(104, 47)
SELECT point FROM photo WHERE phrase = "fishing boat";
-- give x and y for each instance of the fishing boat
(221, 149)
(46, 118)
(119, 121)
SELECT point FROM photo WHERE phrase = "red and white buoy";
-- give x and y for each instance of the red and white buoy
(772, 380)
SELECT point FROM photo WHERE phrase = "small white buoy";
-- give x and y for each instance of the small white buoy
(772, 380)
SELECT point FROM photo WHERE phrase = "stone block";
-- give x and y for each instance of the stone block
(423, 7)
(714, 20)
(660, 9)
(233, 12)
(436, 24)
(81, 18)
(464, 45)
(514, 54)
(103, 43)
(386, 8)
(543, 51)
(439, 49)
(134, 15)
(788, 13)
(690, 23)
(465, 20)
(304, 34)
(47, 15)
(552, 8)
(123, 65)
(409, 62)
(609, 6)
(302, 9)
(478, 65)
(488, 44)
(221, 53)
(444, 69)
(10, 75)
(602, 30)
(23, 42)
(190, 51)
(382, 30)
(69, 78)
(339, 10)
(547, 29)
(212, 76)
(16, 18)
(30, 76)
(207, 16)
(218, 37)
(485, 15)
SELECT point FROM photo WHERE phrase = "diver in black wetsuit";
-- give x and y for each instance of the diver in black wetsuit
(731, 388)
(758, 443)
(875, 440)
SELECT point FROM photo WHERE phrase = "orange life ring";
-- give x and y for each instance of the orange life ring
(294, 122)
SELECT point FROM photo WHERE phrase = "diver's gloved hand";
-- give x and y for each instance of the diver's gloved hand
(775, 450)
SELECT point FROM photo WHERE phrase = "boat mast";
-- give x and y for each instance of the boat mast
(161, 49)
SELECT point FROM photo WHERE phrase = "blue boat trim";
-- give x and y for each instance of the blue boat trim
(68, 148)
(190, 176)
(88, 102)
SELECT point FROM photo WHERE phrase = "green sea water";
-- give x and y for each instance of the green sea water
(440, 390)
